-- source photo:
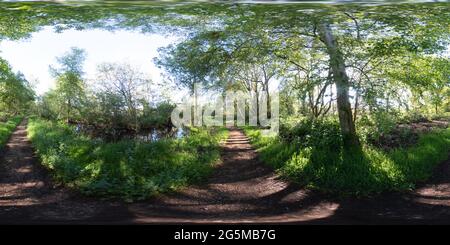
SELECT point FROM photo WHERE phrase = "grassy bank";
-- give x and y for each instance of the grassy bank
(6, 129)
(126, 169)
(358, 172)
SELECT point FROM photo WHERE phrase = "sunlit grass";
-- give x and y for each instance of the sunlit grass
(127, 169)
(6, 129)
(357, 172)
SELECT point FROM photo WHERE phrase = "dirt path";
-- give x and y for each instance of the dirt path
(27, 193)
(240, 190)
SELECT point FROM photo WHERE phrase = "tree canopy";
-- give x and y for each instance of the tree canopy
(338, 59)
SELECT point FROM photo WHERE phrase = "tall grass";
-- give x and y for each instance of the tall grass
(6, 129)
(127, 169)
(357, 172)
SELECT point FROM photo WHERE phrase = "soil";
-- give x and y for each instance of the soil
(241, 190)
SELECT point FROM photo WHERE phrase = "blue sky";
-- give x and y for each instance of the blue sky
(34, 55)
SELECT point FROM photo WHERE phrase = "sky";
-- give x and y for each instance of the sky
(34, 55)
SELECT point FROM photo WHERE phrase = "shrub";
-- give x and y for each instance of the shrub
(6, 129)
(127, 169)
(357, 172)
(323, 133)
(372, 127)
(414, 116)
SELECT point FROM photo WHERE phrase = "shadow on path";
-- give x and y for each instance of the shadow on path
(241, 189)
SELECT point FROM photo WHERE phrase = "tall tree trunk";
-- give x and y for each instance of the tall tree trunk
(269, 109)
(341, 80)
(257, 103)
(355, 113)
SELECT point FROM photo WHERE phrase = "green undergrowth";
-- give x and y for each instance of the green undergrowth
(359, 172)
(126, 169)
(7, 128)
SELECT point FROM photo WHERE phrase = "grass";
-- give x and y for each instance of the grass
(360, 172)
(126, 169)
(6, 129)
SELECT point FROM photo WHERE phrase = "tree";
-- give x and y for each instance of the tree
(342, 82)
(355, 40)
(16, 93)
(364, 45)
(70, 86)
(127, 83)
(429, 80)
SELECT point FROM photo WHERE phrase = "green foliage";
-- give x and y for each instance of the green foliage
(394, 55)
(386, 56)
(158, 116)
(120, 100)
(16, 93)
(317, 133)
(414, 116)
(354, 172)
(372, 126)
(6, 128)
(69, 93)
(428, 79)
(127, 169)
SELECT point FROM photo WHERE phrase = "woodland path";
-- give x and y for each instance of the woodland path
(241, 190)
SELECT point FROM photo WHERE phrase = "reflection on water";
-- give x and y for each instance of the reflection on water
(146, 135)
(367, 34)
(157, 134)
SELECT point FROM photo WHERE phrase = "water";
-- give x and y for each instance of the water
(290, 27)
(158, 134)
(147, 135)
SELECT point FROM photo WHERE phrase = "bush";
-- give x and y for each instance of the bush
(158, 117)
(127, 169)
(445, 116)
(357, 172)
(323, 133)
(6, 129)
(372, 127)
(414, 116)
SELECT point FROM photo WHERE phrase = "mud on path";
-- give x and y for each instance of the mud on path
(241, 189)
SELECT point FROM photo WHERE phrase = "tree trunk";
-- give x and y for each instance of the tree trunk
(257, 103)
(356, 108)
(269, 109)
(341, 80)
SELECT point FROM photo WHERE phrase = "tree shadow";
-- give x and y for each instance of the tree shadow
(285, 203)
